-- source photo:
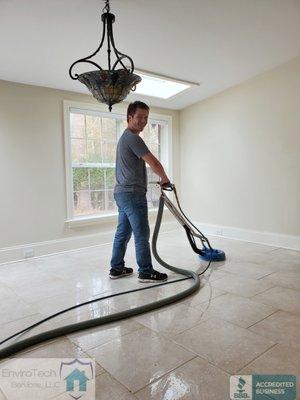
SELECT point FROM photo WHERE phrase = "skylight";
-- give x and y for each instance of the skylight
(160, 87)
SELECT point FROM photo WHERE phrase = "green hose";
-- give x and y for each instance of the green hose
(54, 333)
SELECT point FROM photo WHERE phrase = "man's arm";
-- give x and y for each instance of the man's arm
(156, 167)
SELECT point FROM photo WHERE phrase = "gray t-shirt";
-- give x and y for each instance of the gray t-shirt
(131, 174)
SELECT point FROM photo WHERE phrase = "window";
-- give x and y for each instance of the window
(91, 141)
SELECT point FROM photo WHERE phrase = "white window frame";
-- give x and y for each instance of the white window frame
(101, 110)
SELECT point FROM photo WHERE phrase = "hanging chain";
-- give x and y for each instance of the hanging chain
(106, 7)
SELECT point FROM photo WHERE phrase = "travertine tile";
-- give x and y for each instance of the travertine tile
(281, 327)
(191, 381)
(282, 298)
(58, 348)
(212, 274)
(236, 309)
(108, 388)
(14, 308)
(286, 257)
(242, 286)
(206, 293)
(225, 345)
(249, 269)
(46, 288)
(55, 304)
(136, 299)
(172, 319)
(285, 279)
(84, 313)
(6, 293)
(139, 358)
(90, 338)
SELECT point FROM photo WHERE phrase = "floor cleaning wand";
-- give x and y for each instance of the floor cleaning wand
(206, 253)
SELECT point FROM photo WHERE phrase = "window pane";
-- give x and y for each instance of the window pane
(154, 139)
(97, 179)
(111, 206)
(109, 130)
(152, 196)
(77, 125)
(82, 202)
(97, 200)
(80, 179)
(93, 151)
(154, 148)
(93, 127)
(78, 148)
(151, 137)
(110, 178)
(145, 134)
(109, 152)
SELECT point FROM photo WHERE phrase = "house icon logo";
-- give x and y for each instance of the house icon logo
(79, 377)
(76, 376)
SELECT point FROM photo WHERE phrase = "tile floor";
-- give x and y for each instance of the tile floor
(244, 320)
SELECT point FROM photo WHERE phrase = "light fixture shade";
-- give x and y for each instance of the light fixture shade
(110, 87)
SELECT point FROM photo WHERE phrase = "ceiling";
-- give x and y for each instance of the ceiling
(218, 43)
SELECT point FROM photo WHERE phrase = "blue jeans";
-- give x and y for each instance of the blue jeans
(133, 217)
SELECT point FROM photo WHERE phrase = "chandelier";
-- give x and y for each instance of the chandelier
(112, 85)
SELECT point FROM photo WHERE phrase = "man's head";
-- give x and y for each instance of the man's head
(137, 116)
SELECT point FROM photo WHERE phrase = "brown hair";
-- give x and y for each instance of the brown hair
(131, 110)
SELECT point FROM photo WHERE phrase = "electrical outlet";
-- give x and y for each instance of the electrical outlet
(219, 232)
(27, 253)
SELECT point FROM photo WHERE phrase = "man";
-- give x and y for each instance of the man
(130, 195)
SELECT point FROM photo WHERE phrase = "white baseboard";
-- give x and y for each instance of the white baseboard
(247, 235)
(16, 253)
(39, 249)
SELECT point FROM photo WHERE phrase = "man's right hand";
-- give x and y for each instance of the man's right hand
(164, 182)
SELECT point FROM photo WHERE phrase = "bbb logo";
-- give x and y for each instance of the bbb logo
(241, 387)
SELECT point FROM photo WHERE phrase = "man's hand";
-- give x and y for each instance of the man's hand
(164, 182)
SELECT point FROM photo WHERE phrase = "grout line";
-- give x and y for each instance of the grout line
(263, 291)
(250, 362)
(250, 326)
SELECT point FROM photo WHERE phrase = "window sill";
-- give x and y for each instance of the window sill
(99, 219)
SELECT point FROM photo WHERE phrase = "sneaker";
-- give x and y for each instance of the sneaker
(154, 276)
(115, 274)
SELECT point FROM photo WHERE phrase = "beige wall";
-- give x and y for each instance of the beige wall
(33, 199)
(240, 154)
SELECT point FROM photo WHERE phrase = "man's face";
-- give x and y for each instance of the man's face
(138, 121)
